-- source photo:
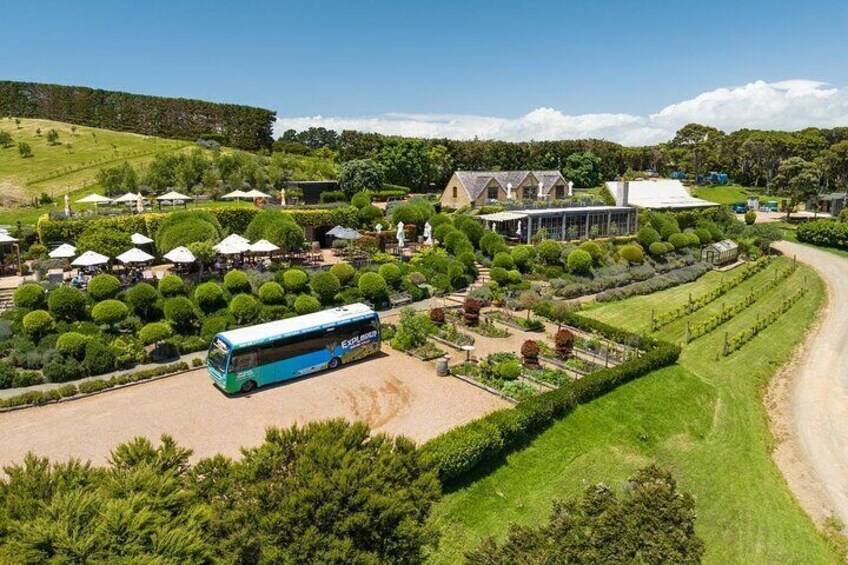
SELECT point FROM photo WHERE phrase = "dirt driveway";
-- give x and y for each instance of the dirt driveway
(391, 392)
(808, 403)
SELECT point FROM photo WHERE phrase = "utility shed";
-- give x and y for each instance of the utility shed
(721, 252)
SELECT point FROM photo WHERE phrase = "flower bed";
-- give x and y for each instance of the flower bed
(484, 328)
(427, 352)
(499, 372)
(517, 322)
(450, 336)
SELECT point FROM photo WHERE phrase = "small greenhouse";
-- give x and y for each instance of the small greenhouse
(721, 252)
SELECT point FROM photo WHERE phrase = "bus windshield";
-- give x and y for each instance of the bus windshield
(218, 358)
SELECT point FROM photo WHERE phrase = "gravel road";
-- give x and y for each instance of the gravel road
(811, 413)
(391, 392)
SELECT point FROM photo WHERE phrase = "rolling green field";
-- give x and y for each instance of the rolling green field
(703, 419)
(731, 194)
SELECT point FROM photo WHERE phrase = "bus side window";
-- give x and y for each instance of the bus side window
(243, 360)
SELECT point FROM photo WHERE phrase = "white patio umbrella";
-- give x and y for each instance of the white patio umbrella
(541, 189)
(90, 259)
(232, 247)
(399, 234)
(235, 195)
(348, 233)
(64, 251)
(139, 204)
(174, 195)
(140, 239)
(509, 191)
(428, 233)
(336, 230)
(180, 255)
(283, 197)
(257, 194)
(263, 246)
(134, 255)
(6, 238)
(129, 197)
(67, 205)
(94, 199)
(518, 231)
(234, 238)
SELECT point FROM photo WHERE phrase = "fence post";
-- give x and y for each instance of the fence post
(653, 319)
(794, 260)
(725, 344)
(686, 339)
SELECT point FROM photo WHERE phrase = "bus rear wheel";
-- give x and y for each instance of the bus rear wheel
(334, 363)
(247, 386)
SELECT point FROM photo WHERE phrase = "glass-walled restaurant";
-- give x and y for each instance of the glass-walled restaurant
(585, 222)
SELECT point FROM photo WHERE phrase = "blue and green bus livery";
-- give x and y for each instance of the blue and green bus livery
(246, 358)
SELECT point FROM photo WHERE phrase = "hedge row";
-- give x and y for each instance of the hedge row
(824, 232)
(671, 279)
(233, 220)
(460, 450)
(38, 397)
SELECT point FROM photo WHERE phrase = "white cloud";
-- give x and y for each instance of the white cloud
(787, 105)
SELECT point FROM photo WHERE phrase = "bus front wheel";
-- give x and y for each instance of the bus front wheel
(247, 386)
(334, 363)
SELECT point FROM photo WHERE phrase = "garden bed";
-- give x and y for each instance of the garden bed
(499, 373)
(515, 322)
(427, 352)
(484, 328)
(447, 334)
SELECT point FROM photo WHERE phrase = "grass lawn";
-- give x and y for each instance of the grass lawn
(702, 418)
(731, 193)
(74, 162)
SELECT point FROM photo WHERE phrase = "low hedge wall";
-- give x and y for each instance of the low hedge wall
(828, 233)
(460, 450)
(39, 397)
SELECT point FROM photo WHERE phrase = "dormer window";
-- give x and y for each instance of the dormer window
(493, 193)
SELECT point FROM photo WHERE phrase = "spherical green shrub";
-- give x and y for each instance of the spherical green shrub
(180, 311)
(327, 286)
(579, 262)
(372, 286)
(692, 237)
(704, 235)
(514, 276)
(632, 253)
(295, 280)
(678, 240)
(499, 275)
(211, 326)
(140, 298)
(369, 214)
(244, 308)
(155, 332)
(272, 293)
(550, 251)
(186, 227)
(306, 304)
(38, 323)
(99, 358)
(508, 370)
(457, 242)
(109, 312)
(343, 271)
(360, 200)
(66, 303)
(750, 218)
(647, 235)
(442, 231)
(492, 243)
(72, 343)
(657, 248)
(236, 282)
(523, 257)
(592, 249)
(209, 296)
(391, 273)
(503, 260)
(29, 295)
(171, 285)
(103, 287)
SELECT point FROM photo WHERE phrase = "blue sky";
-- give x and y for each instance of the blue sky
(354, 59)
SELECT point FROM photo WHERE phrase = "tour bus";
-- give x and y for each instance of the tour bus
(246, 358)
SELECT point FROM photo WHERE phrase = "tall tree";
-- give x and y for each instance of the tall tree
(796, 179)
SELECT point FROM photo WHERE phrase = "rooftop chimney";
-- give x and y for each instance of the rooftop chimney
(622, 192)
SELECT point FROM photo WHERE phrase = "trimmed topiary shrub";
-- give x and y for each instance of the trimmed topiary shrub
(66, 303)
(492, 243)
(499, 275)
(632, 253)
(750, 218)
(272, 293)
(344, 272)
(180, 311)
(141, 298)
(692, 237)
(326, 286)
(550, 252)
(592, 249)
(154, 333)
(704, 235)
(244, 308)
(471, 311)
(209, 296)
(306, 304)
(657, 249)
(456, 242)
(38, 323)
(72, 344)
(523, 257)
(678, 240)
(368, 215)
(437, 316)
(103, 287)
(564, 343)
(511, 370)
(647, 236)
(109, 312)
(530, 352)
(236, 282)
(372, 286)
(579, 262)
(391, 273)
(295, 280)
(211, 326)
(360, 200)
(503, 260)
(99, 358)
(171, 285)
(30, 296)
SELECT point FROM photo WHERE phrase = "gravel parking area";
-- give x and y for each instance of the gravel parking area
(392, 392)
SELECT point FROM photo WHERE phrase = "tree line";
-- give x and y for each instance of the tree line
(243, 127)
(749, 157)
